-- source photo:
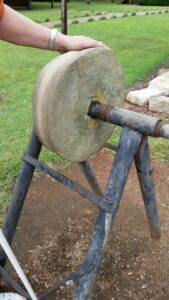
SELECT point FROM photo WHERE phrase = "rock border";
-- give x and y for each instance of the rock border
(155, 95)
(105, 16)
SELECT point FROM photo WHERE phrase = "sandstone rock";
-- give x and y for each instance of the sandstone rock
(163, 70)
(159, 104)
(142, 97)
(161, 82)
(165, 74)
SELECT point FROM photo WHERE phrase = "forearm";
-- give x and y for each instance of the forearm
(17, 29)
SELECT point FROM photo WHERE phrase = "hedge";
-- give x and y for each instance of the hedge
(153, 2)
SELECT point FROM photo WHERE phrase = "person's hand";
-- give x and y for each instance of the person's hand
(65, 43)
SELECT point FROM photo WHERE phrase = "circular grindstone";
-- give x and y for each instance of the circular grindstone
(63, 93)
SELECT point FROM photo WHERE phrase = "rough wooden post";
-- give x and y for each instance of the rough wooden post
(64, 16)
(19, 194)
(128, 146)
(144, 172)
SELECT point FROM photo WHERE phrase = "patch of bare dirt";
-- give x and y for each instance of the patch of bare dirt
(2, 96)
(56, 225)
(144, 110)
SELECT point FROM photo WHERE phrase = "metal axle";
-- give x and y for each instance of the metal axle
(142, 123)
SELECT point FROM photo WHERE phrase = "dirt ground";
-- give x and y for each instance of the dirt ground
(55, 228)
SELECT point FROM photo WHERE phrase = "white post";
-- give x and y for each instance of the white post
(7, 249)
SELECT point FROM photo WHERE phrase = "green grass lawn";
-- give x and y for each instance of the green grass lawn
(140, 44)
(41, 11)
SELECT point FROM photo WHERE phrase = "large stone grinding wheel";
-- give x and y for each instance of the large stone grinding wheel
(62, 96)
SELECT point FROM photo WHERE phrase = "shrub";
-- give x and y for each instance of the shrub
(47, 20)
(91, 20)
(117, 1)
(153, 2)
(103, 18)
(75, 22)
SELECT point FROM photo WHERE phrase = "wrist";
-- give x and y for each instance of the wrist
(60, 42)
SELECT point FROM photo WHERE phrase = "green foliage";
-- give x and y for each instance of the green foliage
(114, 140)
(159, 148)
(57, 26)
(116, 1)
(153, 2)
(75, 22)
(90, 20)
(102, 18)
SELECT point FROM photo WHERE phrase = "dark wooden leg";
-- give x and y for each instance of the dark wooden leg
(127, 149)
(144, 171)
(19, 194)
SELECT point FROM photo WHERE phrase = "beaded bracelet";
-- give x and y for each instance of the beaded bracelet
(52, 38)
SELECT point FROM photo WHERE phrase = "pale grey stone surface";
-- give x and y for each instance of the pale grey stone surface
(163, 70)
(142, 97)
(159, 104)
(161, 82)
(155, 94)
(165, 74)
